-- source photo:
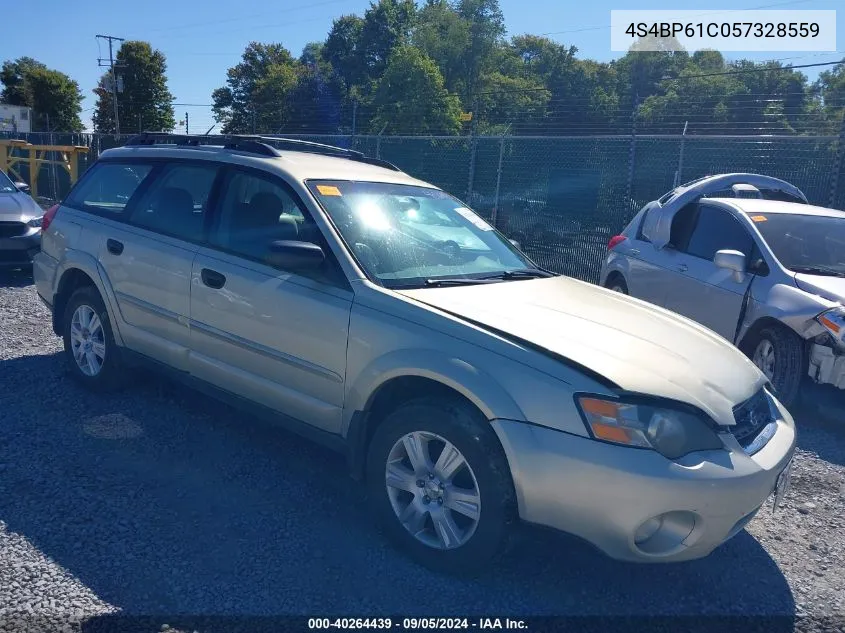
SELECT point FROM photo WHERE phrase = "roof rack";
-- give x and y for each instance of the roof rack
(256, 144)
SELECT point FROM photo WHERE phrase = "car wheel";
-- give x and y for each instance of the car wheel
(779, 354)
(92, 355)
(440, 485)
(616, 283)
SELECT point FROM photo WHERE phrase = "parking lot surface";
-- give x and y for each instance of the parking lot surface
(156, 501)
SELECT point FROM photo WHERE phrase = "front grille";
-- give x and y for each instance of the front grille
(751, 418)
(12, 229)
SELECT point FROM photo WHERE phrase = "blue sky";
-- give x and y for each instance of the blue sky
(202, 39)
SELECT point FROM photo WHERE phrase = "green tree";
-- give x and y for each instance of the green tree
(257, 90)
(444, 36)
(145, 102)
(344, 50)
(387, 25)
(831, 88)
(55, 98)
(486, 30)
(410, 97)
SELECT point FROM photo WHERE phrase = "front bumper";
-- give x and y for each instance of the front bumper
(827, 367)
(605, 493)
(16, 252)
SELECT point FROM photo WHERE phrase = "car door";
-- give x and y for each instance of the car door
(648, 267)
(696, 287)
(273, 336)
(148, 258)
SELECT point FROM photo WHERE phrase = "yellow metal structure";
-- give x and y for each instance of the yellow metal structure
(13, 153)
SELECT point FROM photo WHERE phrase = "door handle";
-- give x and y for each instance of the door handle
(212, 278)
(114, 247)
(682, 268)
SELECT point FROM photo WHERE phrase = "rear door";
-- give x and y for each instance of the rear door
(697, 288)
(273, 336)
(147, 257)
(649, 268)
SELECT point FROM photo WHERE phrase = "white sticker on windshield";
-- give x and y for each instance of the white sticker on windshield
(476, 221)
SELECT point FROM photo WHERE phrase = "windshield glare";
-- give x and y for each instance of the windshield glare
(6, 185)
(404, 235)
(801, 241)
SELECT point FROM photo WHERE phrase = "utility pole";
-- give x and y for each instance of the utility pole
(186, 124)
(101, 62)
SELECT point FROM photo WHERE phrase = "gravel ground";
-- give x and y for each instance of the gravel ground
(156, 502)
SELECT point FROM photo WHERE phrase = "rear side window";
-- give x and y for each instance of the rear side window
(108, 187)
(718, 230)
(177, 201)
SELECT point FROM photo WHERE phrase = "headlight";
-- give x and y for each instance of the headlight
(35, 222)
(670, 432)
(833, 321)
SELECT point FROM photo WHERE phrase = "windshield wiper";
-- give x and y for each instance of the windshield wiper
(457, 281)
(818, 270)
(522, 273)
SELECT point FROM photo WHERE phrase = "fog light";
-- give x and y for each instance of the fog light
(647, 529)
(662, 535)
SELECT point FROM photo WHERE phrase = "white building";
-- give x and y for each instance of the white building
(15, 118)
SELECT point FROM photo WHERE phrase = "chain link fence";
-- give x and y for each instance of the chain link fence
(561, 197)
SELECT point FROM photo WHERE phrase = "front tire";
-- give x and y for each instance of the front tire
(440, 485)
(779, 354)
(92, 356)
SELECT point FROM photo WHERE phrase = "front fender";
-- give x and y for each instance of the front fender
(472, 382)
(790, 305)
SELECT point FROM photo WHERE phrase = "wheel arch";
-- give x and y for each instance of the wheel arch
(80, 269)
(419, 374)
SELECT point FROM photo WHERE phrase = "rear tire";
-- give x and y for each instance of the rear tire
(779, 353)
(474, 507)
(617, 283)
(92, 356)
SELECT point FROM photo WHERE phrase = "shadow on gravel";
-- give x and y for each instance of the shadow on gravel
(825, 415)
(15, 278)
(164, 503)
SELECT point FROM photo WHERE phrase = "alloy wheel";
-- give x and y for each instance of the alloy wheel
(764, 358)
(432, 490)
(87, 340)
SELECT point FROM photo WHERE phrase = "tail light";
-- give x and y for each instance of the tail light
(48, 217)
(615, 241)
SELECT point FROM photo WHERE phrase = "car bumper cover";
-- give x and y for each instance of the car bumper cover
(634, 504)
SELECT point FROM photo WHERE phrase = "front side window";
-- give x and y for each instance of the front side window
(805, 243)
(717, 230)
(109, 187)
(256, 211)
(177, 201)
(405, 235)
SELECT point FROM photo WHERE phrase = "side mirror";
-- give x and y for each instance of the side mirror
(22, 186)
(294, 255)
(733, 261)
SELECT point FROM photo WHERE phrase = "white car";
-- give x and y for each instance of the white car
(746, 256)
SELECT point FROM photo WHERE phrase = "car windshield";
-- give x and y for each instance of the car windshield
(408, 236)
(805, 243)
(6, 185)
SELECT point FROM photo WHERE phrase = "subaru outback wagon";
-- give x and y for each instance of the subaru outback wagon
(467, 387)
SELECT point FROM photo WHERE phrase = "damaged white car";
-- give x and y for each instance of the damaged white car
(748, 257)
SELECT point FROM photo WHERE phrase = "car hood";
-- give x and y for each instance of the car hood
(637, 346)
(18, 207)
(831, 288)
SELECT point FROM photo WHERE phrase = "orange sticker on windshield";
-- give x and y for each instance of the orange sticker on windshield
(759, 218)
(328, 190)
